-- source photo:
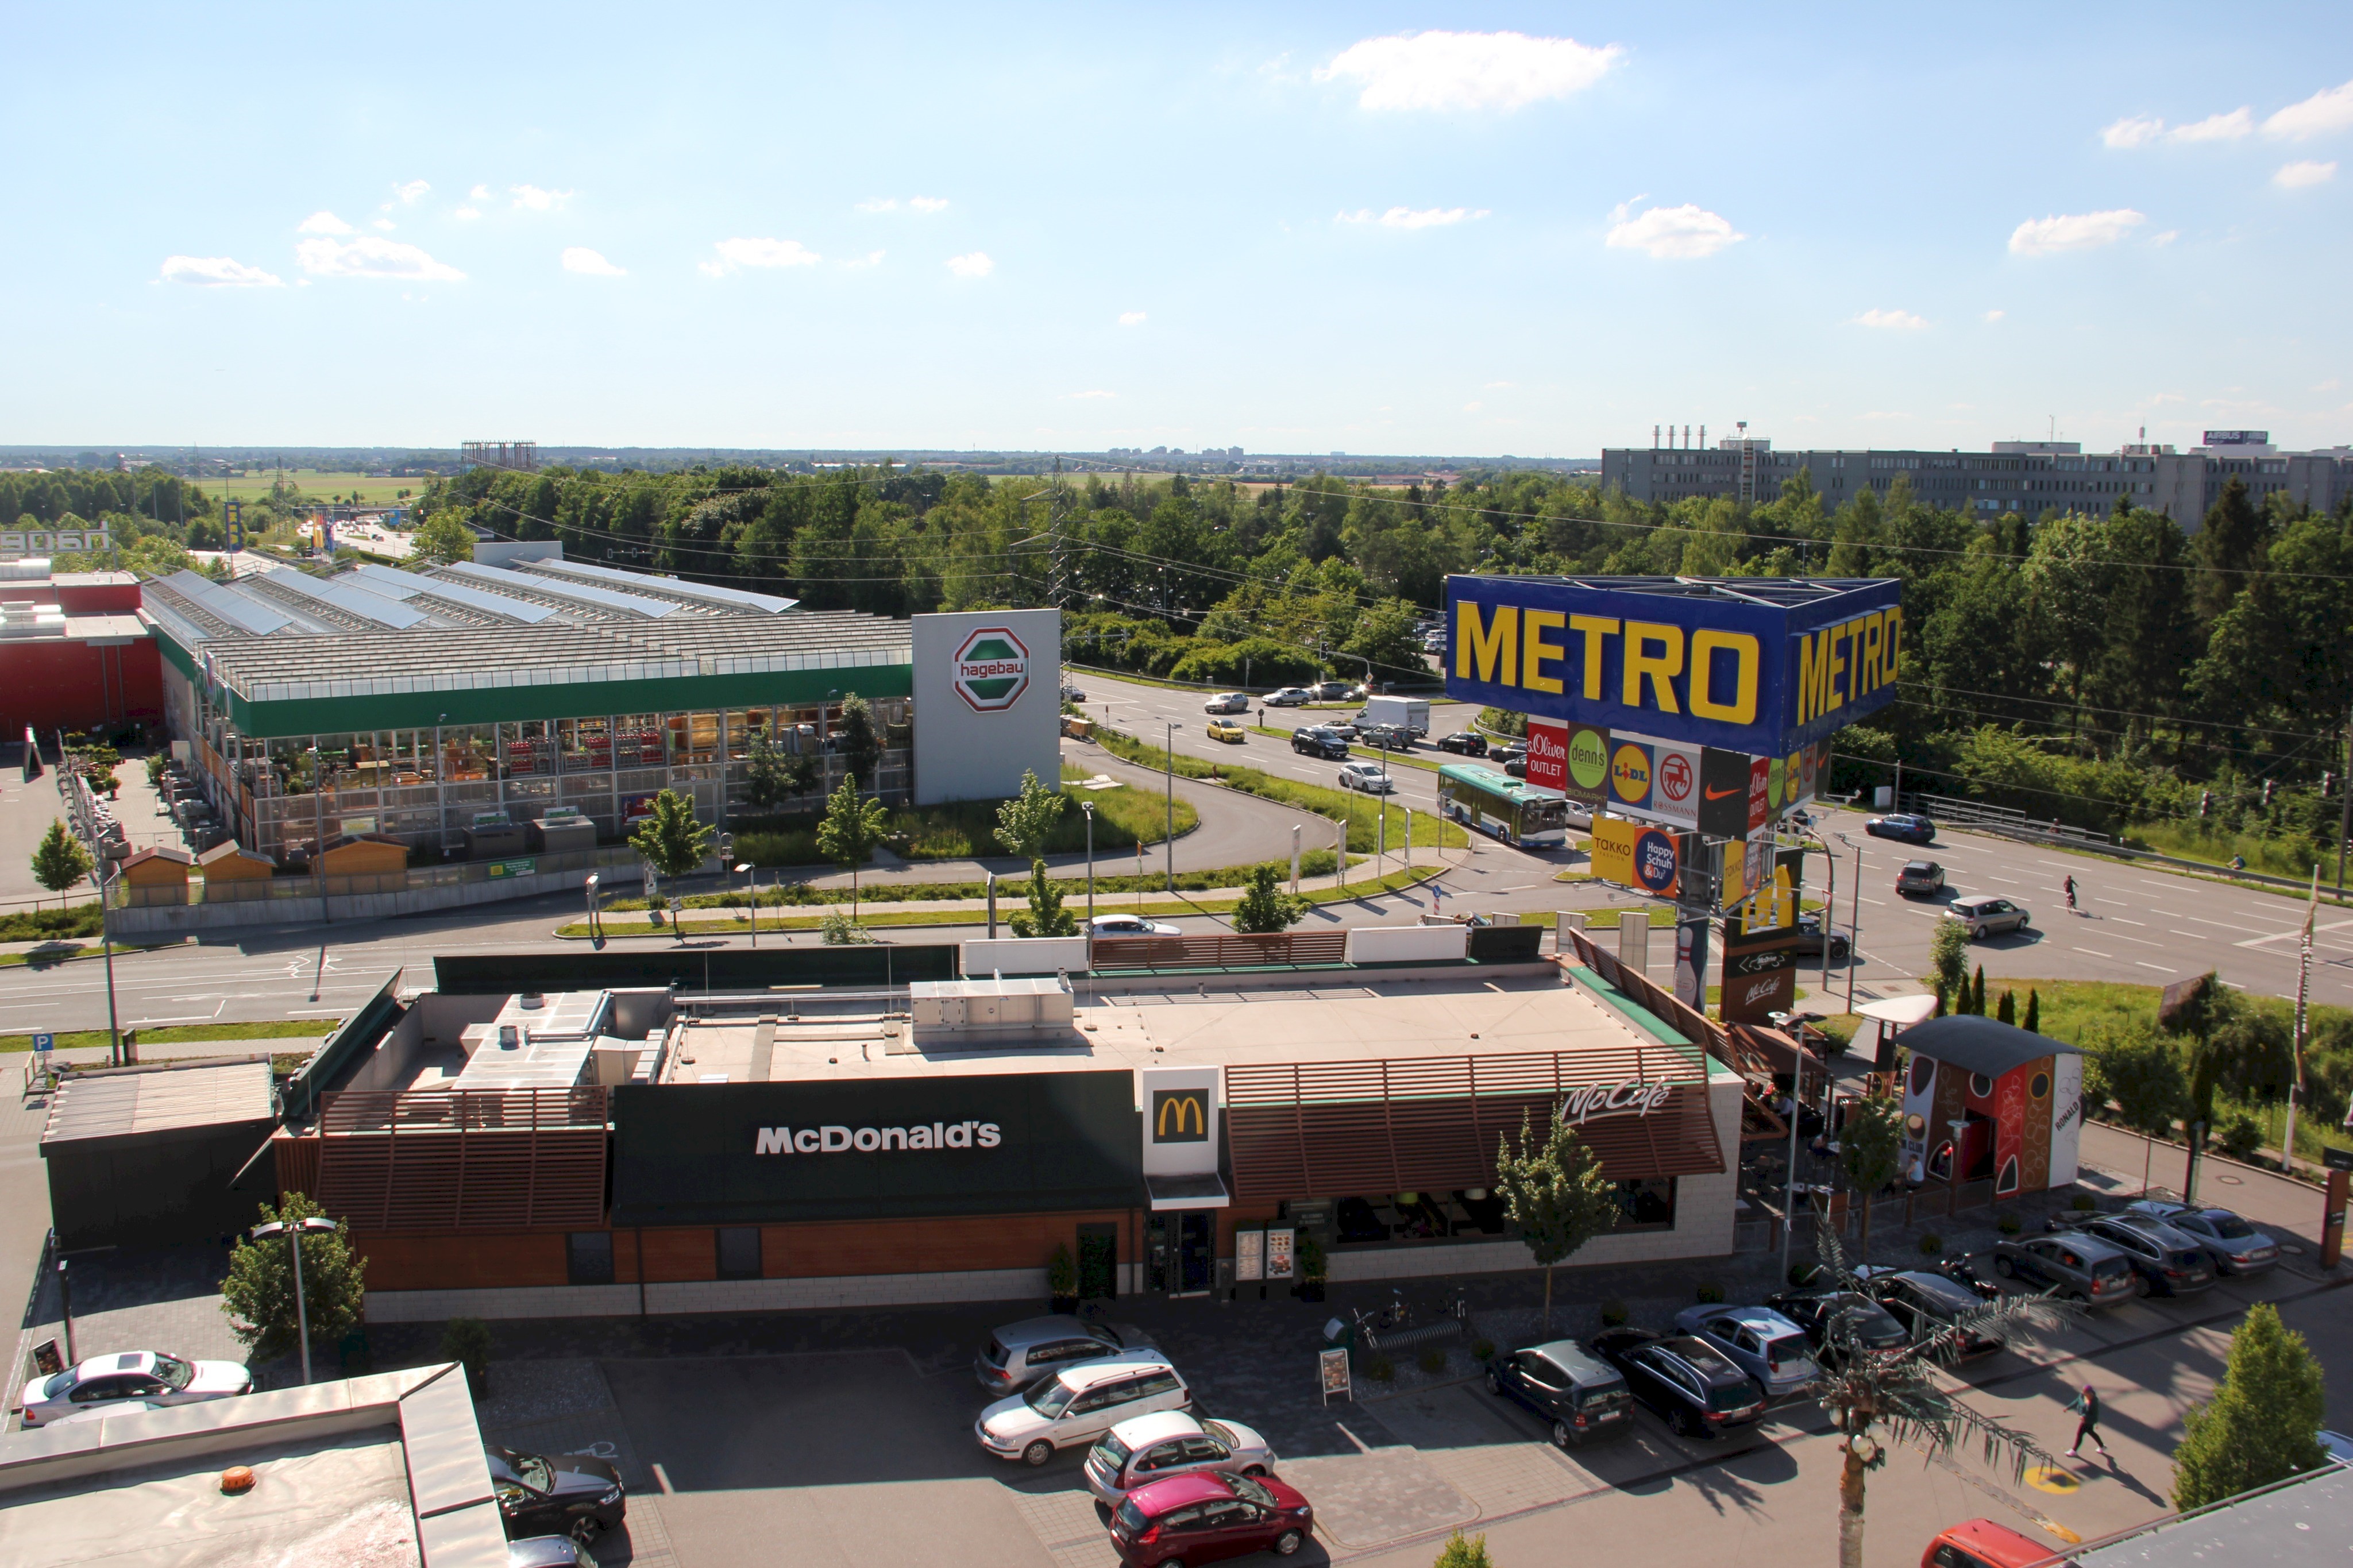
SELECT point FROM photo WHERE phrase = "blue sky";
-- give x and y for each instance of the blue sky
(1378, 228)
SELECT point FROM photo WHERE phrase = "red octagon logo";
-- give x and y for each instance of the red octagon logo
(991, 669)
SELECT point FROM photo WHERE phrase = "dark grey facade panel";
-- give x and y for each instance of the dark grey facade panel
(157, 1189)
(693, 970)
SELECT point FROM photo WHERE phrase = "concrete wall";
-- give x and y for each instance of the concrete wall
(177, 920)
(965, 749)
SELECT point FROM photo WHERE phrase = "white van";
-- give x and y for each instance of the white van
(1077, 1405)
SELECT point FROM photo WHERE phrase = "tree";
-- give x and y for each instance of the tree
(772, 776)
(1977, 995)
(2228, 548)
(259, 1294)
(1949, 953)
(59, 862)
(441, 539)
(1870, 1150)
(1899, 1390)
(1264, 908)
(2140, 1070)
(860, 743)
(853, 826)
(1555, 1194)
(2033, 1021)
(1025, 822)
(1045, 916)
(672, 841)
(2006, 1010)
(2263, 1424)
(1464, 1553)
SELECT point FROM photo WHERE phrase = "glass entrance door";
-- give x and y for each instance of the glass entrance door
(1180, 1252)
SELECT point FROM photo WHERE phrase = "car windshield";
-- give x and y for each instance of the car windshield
(1602, 1394)
(2228, 1226)
(1250, 1488)
(56, 1387)
(1222, 1433)
(1131, 1518)
(1787, 1353)
(529, 1468)
(2110, 1268)
(1049, 1398)
(175, 1373)
(1112, 1451)
(995, 1353)
(1730, 1394)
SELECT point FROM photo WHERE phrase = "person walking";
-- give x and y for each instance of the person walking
(2087, 1403)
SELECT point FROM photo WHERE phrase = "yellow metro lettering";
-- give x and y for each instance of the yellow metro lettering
(1593, 629)
(1892, 644)
(1867, 668)
(1834, 693)
(1742, 708)
(1496, 644)
(1813, 674)
(1660, 667)
(1533, 623)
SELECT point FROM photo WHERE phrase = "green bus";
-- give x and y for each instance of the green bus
(1499, 804)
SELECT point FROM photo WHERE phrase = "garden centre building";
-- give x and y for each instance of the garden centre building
(521, 702)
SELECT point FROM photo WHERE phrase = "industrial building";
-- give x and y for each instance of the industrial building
(2013, 477)
(74, 655)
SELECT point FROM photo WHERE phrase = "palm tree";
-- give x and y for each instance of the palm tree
(1897, 1390)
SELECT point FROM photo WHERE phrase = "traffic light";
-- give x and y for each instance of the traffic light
(2267, 794)
(2205, 800)
(2327, 782)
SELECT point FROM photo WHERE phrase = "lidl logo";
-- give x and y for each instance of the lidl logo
(1180, 1116)
(992, 669)
(1630, 773)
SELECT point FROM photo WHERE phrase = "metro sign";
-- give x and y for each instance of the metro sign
(992, 669)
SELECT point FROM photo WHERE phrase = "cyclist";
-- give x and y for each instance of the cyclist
(2070, 895)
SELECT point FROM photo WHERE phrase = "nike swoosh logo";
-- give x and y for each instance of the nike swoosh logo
(1720, 793)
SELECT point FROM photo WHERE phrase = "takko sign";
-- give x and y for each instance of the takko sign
(1627, 1097)
(867, 1140)
(992, 669)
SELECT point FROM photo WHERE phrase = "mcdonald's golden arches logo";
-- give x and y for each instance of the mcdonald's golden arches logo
(1180, 1116)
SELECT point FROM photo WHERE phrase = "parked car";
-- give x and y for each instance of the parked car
(1986, 915)
(1343, 728)
(1834, 1318)
(1920, 879)
(1982, 1543)
(2236, 1247)
(1130, 925)
(1226, 730)
(1928, 1304)
(549, 1551)
(1696, 1392)
(574, 1495)
(1019, 1354)
(1289, 696)
(1228, 702)
(2084, 1267)
(1316, 740)
(1583, 1396)
(1187, 1520)
(1463, 743)
(1366, 777)
(97, 1413)
(1077, 1404)
(2164, 1261)
(1148, 1448)
(1386, 737)
(1905, 825)
(1761, 1343)
(117, 1381)
(1329, 691)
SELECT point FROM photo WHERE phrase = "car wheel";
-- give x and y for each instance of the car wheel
(1287, 1542)
(1976, 933)
(1679, 1422)
(584, 1530)
(1254, 1470)
(2141, 1287)
(1494, 1384)
(1038, 1453)
(1561, 1438)
(2005, 1267)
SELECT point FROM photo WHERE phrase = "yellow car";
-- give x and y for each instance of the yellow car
(1227, 729)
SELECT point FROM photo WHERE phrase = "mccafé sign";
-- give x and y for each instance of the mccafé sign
(870, 1140)
(1627, 1097)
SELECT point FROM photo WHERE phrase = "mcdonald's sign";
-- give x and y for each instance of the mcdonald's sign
(1180, 1116)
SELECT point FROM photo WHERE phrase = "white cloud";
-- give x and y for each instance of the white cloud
(216, 272)
(580, 258)
(880, 205)
(1671, 234)
(1897, 320)
(1131, 317)
(2133, 131)
(913, 204)
(927, 204)
(1473, 408)
(871, 258)
(537, 200)
(369, 256)
(1096, 392)
(2328, 110)
(322, 222)
(973, 264)
(2304, 171)
(468, 213)
(384, 224)
(410, 190)
(2073, 231)
(2216, 127)
(1468, 70)
(1887, 414)
(478, 193)
(1412, 217)
(741, 252)
(2161, 240)
(1995, 315)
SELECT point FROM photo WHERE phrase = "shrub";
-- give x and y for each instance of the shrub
(2084, 1202)
(1484, 1350)
(1380, 1369)
(2240, 1136)
(2009, 1224)
(1931, 1243)
(1613, 1313)
(1433, 1361)
(467, 1341)
(1459, 1552)
(1710, 1293)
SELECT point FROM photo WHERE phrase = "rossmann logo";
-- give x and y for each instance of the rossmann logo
(868, 1139)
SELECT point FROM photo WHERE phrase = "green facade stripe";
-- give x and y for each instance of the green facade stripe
(569, 700)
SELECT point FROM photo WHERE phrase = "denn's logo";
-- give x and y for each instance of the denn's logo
(992, 669)
(1178, 1116)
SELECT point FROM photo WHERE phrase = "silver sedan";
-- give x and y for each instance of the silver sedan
(2237, 1247)
(139, 1380)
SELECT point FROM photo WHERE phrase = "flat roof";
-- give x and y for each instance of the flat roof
(1258, 1021)
(158, 1100)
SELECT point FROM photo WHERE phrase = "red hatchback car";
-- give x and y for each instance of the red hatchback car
(1199, 1518)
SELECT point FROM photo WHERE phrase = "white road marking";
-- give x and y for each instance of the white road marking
(2096, 952)
(2118, 902)
(1879, 903)
(2161, 968)
(2118, 918)
(2226, 925)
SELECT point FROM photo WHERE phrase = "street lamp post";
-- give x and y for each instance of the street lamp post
(752, 884)
(1853, 924)
(314, 1225)
(1169, 755)
(1087, 810)
(596, 932)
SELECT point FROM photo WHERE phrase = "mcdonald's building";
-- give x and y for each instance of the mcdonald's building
(649, 1149)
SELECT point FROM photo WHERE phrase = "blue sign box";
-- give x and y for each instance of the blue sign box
(1760, 665)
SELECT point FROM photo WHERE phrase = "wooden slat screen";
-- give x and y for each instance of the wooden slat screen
(1337, 1129)
(466, 1161)
(1639, 990)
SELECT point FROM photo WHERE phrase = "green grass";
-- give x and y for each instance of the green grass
(271, 1029)
(2186, 841)
(1311, 863)
(1361, 813)
(316, 485)
(44, 925)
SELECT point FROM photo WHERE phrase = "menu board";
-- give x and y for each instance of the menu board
(1249, 1257)
(1278, 1245)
